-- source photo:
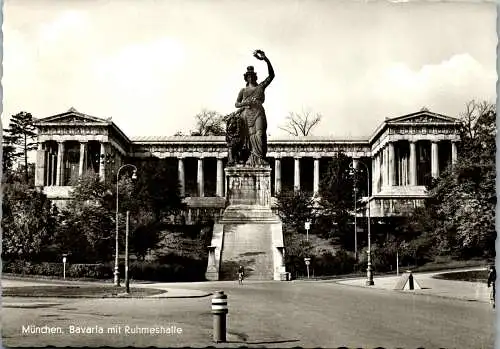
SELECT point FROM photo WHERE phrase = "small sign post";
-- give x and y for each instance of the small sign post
(307, 226)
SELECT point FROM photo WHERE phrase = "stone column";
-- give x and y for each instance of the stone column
(374, 175)
(181, 176)
(413, 163)
(220, 179)
(385, 169)
(83, 151)
(277, 175)
(399, 166)
(102, 163)
(41, 155)
(60, 164)
(316, 177)
(48, 162)
(453, 152)
(199, 178)
(379, 171)
(434, 160)
(296, 176)
(392, 165)
(53, 172)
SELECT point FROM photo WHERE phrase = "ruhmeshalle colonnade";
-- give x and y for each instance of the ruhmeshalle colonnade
(403, 154)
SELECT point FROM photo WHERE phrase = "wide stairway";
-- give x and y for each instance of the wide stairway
(248, 245)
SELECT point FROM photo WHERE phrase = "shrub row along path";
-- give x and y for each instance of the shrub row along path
(261, 314)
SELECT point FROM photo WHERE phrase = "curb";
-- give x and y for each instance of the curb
(173, 297)
(163, 295)
(80, 297)
(464, 299)
(418, 293)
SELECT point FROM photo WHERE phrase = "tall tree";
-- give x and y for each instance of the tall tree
(209, 123)
(337, 204)
(87, 224)
(301, 124)
(295, 208)
(151, 199)
(28, 221)
(460, 211)
(8, 158)
(156, 189)
(20, 139)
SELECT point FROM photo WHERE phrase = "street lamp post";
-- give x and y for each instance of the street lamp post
(64, 265)
(369, 270)
(355, 227)
(134, 176)
(127, 287)
(307, 260)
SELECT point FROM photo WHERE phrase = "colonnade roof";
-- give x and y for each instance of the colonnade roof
(421, 117)
(75, 118)
(271, 139)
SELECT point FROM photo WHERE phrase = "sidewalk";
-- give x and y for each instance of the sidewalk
(170, 292)
(464, 290)
(174, 292)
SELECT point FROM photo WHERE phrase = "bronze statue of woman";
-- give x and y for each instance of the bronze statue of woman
(250, 100)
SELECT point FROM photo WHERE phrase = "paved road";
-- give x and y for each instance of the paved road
(264, 314)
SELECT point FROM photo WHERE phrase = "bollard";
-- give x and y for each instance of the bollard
(219, 311)
(410, 280)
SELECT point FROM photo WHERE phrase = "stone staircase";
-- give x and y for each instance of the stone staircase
(249, 245)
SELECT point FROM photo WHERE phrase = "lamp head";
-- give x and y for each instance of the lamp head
(355, 164)
(134, 175)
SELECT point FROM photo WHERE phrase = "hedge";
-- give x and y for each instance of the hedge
(138, 270)
(322, 265)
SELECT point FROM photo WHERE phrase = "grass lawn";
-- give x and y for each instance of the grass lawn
(471, 276)
(448, 263)
(435, 266)
(65, 291)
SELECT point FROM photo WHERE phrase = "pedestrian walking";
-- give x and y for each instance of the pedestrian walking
(241, 273)
(492, 278)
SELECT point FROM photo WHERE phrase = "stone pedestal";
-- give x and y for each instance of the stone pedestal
(248, 195)
(212, 272)
(249, 234)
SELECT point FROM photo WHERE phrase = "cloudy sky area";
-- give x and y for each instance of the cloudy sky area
(152, 65)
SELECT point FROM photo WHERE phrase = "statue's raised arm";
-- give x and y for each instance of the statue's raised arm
(252, 134)
(260, 55)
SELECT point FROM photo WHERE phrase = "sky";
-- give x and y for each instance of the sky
(152, 65)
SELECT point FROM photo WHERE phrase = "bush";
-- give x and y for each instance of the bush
(342, 262)
(329, 264)
(176, 270)
(94, 271)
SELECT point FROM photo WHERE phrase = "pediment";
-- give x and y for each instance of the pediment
(423, 117)
(72, 116)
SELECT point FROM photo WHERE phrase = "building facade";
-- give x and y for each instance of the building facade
(401, 157)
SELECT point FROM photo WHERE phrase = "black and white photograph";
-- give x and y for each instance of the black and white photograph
(302, 173)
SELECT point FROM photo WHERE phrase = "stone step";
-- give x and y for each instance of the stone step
(248, 245)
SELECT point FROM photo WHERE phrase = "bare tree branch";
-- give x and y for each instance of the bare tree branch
(209, 123)
(300, 124)
(474, 111)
